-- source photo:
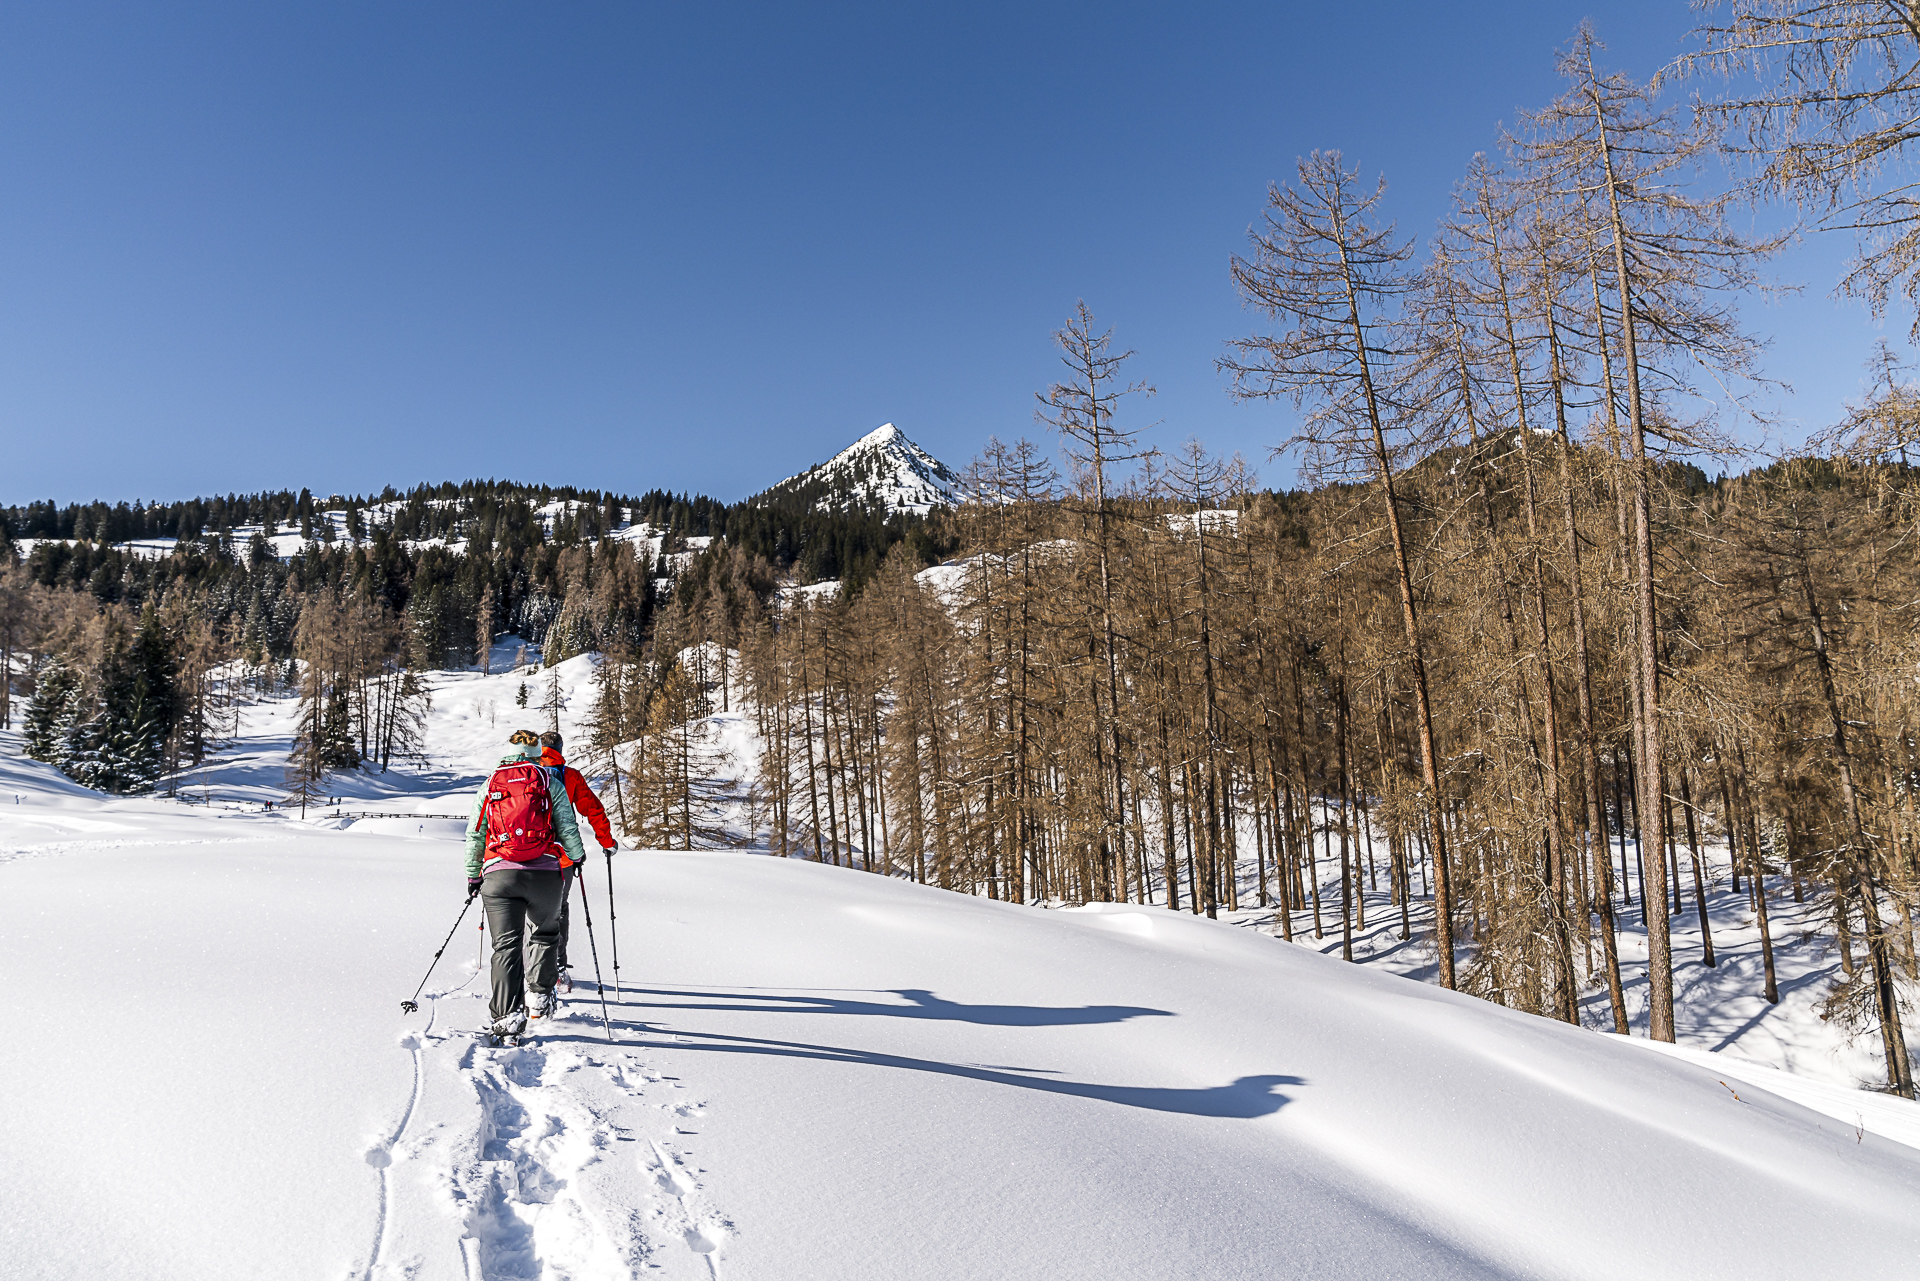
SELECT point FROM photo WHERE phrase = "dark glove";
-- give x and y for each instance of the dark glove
(608, 850)
(473, 886)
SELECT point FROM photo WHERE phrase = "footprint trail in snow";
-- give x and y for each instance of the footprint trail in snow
(703, 1230)
(558, 1160)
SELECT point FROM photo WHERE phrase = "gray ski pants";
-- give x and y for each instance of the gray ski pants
(566, 896)
(523, 908)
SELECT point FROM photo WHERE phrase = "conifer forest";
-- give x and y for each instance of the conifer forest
(1531, 622)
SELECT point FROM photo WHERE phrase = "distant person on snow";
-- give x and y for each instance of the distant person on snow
(522, 827)
(589, 807)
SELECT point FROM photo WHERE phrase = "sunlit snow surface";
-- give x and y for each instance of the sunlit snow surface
(815, 1073)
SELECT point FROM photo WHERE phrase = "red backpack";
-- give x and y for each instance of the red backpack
(518, 813)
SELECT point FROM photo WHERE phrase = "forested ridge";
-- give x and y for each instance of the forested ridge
(131, 630)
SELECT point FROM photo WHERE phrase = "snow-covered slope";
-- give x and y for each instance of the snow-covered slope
(882, 468)
(819, 1073)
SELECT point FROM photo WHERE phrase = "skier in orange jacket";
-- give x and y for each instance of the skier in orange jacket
(584, 801)
(588, 806)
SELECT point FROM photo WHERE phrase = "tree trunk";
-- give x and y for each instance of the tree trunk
(1409, 621)
(1652, 761)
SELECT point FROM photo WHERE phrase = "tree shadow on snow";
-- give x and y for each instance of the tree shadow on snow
(1242, 1099)
(921, 1004)
(1784, 986)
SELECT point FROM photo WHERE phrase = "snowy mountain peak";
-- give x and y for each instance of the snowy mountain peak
(884, 434)
(882, 469)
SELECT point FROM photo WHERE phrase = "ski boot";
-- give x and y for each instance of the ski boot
(509, 1029)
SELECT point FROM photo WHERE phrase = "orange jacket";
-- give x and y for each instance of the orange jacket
(585, 803)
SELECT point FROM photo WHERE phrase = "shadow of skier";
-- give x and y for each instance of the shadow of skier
(1244, 1098)
(920, 1004)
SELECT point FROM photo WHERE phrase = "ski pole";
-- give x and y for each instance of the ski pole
(613, 924)
(412, 1004)
(587, 912)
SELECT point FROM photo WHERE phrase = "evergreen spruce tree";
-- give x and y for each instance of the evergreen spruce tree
(84, 753)
(483, 631)
(575, 630)
(49, 712)
(553, 702)
(427, 627)
(130, 755)
(337, 747)
(120, 748)
(154, 670)
(253, 632)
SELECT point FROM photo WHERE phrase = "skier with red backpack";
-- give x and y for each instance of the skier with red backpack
(521, 836)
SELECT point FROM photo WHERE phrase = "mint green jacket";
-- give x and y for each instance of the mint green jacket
(565, 825)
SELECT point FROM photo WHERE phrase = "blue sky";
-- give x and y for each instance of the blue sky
(698, 246)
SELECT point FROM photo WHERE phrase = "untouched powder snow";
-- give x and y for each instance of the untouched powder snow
(815, 1073)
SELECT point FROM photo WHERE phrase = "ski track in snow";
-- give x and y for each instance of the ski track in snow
(521, 1181)
(381, 1155)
